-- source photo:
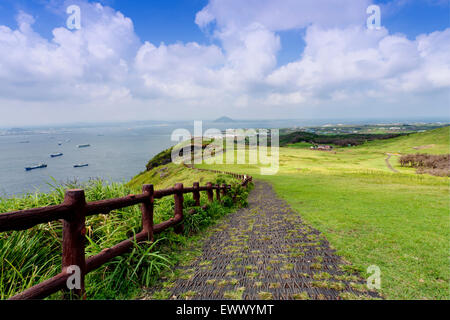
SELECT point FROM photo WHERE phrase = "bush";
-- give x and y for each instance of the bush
(228, 201)
(342, 140)
(241, 194)
(438, 165)
(161, 159)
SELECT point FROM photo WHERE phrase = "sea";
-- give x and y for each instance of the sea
(117, 152)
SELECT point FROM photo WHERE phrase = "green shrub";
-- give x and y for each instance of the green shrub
(161, 159)
(33, 256)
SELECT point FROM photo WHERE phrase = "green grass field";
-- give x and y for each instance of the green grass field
(33, 256)
(168, 175)
(372, 216)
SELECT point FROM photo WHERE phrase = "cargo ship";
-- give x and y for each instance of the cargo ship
(81, 165)
(55, 155)
(39, 166)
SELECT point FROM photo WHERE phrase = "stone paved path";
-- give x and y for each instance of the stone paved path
(261, 252)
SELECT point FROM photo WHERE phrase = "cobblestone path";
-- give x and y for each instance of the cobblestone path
(264, 252)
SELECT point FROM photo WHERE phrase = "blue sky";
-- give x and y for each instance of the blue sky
(277, 66)
(155, 20)
(170, 21)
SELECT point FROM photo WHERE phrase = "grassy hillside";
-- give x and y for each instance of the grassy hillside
(166, 176)
(370, 155)
(435, 141)
(371, 215)
(30, 257)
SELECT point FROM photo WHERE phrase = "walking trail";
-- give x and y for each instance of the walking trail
(388, 164)
(265, 251)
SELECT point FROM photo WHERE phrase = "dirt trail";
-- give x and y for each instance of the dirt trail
(265, 251)
(388, 164)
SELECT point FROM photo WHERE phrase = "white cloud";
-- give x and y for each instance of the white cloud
(178, 70)
(104, 67)
(344, 64)
(75, 65)
(282, 14)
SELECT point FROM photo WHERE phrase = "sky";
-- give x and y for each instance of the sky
(202, 59)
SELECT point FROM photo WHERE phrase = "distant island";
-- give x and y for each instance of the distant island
(224, 119)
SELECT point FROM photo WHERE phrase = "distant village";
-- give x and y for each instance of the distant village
(367, 129)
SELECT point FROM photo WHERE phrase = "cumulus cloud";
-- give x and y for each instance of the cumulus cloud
(178, 70)
(106, 71)
(355, 58)
(282, 14)
(82, 64)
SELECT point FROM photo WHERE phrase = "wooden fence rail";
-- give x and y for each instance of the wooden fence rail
(73, 212)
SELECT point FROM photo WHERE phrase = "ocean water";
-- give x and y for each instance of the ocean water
(117, 153)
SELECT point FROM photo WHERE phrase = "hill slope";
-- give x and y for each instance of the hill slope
(224, 120)
(167, 175)
(372, 216)
(435, 141)
(368, 156)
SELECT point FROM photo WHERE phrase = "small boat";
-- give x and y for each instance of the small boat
(83, 145)
(39, 166)
(81, 165)
(54, 155)
(24, 142)
(60, 143)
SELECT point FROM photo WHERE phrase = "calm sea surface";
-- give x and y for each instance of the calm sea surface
(117, 153)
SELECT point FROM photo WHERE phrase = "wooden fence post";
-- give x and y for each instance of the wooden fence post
(74, 232)
(224, 189)
(147, 211)
(218, 192)
(196, 194)
(210, 192)
(178, 196)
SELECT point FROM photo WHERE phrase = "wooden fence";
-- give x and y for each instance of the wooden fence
(73, 212)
